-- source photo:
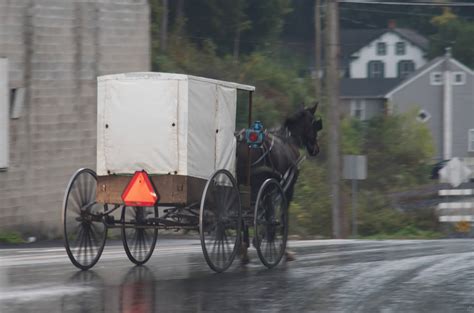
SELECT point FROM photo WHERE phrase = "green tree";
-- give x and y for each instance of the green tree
(235, 26)
(399, 151)
(455, 33)
(398, 148)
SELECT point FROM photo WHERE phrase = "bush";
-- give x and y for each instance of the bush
(11, 237)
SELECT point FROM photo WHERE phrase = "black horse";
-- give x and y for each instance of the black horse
(279, 155)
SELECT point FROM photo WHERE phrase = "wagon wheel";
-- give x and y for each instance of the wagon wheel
(271, 223)
(84, 230)
(139, 241)
(220, 220)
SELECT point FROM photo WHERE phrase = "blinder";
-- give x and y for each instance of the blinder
(317, 124)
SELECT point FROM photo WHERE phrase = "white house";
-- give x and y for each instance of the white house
(385, 53)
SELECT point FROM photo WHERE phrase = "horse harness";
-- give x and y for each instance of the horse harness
(285, 179)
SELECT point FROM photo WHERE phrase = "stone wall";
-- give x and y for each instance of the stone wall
(56, 49)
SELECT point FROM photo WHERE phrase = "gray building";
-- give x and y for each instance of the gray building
(51, 53)
(364, 98)
(442, 92)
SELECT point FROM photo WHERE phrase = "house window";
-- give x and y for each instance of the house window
(376, 69)
(381, 48)
(471, 140)
(423, 116)
(17, 100)
(405, 68)
(436, 78)
(358, 109)
(458, 78)
(400, 48)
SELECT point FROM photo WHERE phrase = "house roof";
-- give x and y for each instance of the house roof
(422, 70)
(426, 68)
(413, 36)
(367, 87)
(353, 40)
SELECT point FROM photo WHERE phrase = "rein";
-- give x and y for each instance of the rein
(285, 136)
(265, 153)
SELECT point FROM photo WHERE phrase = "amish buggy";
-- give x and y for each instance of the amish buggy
(168, 157)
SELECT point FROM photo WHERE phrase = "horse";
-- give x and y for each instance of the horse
(279, 156)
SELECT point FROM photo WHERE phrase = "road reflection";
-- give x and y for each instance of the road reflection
(91, 299)
(137, 291)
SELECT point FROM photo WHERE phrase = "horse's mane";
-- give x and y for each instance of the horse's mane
(282, 131)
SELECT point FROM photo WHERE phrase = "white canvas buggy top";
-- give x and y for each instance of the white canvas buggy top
(166, 124)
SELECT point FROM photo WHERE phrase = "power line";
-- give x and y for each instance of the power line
(387, 12)
(434, 4)
(397, 12)
(358, 22)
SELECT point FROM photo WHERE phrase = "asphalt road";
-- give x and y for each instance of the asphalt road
(328, 276)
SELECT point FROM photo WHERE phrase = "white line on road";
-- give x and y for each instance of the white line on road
(35, 292)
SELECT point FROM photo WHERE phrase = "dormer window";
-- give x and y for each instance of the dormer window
(376, 69)
(381, 48)
(400, 48)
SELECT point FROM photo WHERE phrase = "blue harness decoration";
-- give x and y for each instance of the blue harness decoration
(254, 135)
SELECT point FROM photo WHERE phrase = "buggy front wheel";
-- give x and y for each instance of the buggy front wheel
(271, 223)
(84, 230)
(220, 220)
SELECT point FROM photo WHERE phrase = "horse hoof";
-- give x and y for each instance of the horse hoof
(289, 256)
(244, 260)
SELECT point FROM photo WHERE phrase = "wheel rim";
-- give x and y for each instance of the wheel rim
(84, 231)
(220, 220)
(139, 242)
(271, 223)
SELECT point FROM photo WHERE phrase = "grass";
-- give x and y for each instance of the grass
(408, 232)
(11, 237)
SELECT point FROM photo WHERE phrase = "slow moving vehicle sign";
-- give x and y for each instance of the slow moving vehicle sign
(140, 191)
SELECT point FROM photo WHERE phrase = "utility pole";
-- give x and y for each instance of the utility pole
(164, 26)
(332, 83)
(317, 47)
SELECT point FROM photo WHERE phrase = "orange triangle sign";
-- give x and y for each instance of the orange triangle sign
(140, 191)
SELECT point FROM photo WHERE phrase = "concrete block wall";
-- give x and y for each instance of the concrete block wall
(56, 49)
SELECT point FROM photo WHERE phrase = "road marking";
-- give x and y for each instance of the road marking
(34, 292)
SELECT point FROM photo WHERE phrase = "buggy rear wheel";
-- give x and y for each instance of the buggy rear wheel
(271, 223)
(220, 220)
(84, 230)
(139, 241)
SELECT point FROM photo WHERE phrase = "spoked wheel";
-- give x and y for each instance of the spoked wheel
(220, 220)
(139, 240)
(84, 231)
(271, 223)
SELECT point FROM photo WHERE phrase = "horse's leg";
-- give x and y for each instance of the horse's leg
(244, 256)
(290, 255)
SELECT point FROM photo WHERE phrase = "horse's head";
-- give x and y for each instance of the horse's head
(304, 128)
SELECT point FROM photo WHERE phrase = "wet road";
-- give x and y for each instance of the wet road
(328, 276)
